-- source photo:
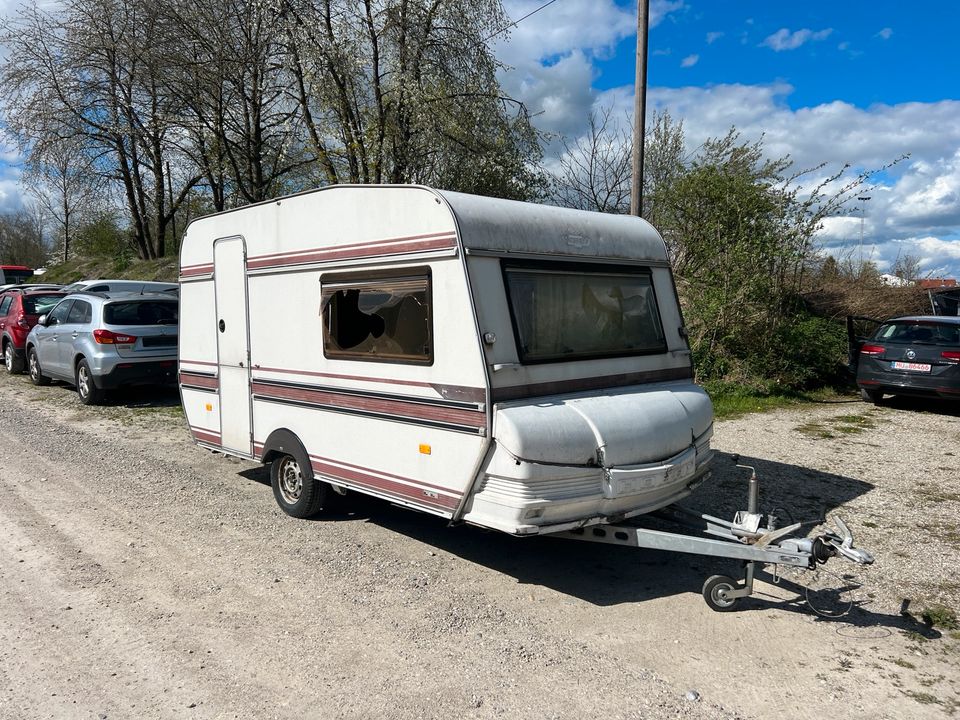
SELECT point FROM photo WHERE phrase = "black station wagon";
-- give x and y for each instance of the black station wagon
(918, 355)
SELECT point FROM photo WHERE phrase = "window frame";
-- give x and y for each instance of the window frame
(5, 302)
(367, 277)
(574, 266)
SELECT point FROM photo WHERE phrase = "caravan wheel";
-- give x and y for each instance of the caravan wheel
(297, 492)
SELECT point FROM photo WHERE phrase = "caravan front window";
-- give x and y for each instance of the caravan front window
(387, 319)
(564, 312)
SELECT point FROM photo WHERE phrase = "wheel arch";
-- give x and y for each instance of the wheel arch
(283, 441)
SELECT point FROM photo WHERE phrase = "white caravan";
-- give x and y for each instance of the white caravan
(514, 366)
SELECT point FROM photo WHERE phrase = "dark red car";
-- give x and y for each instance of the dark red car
(19, 311)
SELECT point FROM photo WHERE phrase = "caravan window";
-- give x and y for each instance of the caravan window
(564, 312)
(385, 319)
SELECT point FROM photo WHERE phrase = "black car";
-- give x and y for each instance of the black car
(917, 355)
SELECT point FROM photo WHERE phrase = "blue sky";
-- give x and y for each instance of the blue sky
(837, 82)
(859, 52)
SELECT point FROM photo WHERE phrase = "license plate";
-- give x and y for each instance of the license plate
(916, 367)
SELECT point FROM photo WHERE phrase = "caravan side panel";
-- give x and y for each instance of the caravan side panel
(411, 432)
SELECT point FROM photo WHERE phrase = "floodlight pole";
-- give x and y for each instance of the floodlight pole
(639, 108)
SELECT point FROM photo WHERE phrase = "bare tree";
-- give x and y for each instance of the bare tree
(595, 170)
(21, 237)
(97, 67)
(406, 91)
(65, 184)
(239, 111)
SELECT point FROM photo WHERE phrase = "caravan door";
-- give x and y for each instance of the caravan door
(233, 343)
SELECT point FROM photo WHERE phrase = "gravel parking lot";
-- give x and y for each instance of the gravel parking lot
(142, 577)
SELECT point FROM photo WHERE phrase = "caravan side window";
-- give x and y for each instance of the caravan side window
(387, 319)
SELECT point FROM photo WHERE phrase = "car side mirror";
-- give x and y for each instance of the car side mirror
(42, 321)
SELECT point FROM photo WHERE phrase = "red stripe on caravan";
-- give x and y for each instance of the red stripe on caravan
(207, 436)
(418, 495)
(198, 362)
(192, 270)
(397, 408)
(371, 250)
(449, 392)
(427, 236)
(195, 380)
(309, 373)
(385, 474)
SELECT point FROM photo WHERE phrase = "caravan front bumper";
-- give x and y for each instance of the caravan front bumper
(526, 498)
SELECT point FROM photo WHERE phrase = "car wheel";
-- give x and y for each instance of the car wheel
(33, 363)
(89, 393)
(871, 396)
(296, 491)
(10, 359)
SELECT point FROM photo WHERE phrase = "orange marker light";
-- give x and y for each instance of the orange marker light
(209, 407)
(425, 449)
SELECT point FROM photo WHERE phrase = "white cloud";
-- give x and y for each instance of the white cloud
(712, 37)
(914, 206)
(886, 33)
(551, 53)
(783, 39)
(690, 61)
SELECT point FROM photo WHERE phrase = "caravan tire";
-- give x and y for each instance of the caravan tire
(296, 491)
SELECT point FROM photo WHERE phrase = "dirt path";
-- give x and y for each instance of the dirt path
(141, 577)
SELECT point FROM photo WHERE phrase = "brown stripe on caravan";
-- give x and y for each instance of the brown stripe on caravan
(448, 392)
(378, 248)
(518, 392)
(193, 270)
(202, 382)
(407, 408)
(198, 362)
(207, 436)
(365, 243)
(406, 488)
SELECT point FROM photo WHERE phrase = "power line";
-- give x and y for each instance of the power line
(517, 22)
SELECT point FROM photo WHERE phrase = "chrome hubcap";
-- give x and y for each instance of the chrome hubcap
(83, 381)
(34, 366)
(290, 481)
(8, 358)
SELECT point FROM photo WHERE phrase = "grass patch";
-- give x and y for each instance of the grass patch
(924, 698)
(942, 617)
(731, 401)
(837, 426)
(119, 267)
(905, 664)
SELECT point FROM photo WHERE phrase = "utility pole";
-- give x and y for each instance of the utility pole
(639, 107)
(863, 203)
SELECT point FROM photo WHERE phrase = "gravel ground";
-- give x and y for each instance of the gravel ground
(142, 577)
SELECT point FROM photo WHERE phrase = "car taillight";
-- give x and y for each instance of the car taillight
(872, 350)
(108, 337)
(22, 321)
(951, 355)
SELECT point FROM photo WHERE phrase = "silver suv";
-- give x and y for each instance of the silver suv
(99, 342)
